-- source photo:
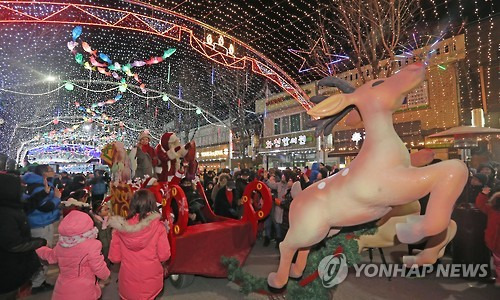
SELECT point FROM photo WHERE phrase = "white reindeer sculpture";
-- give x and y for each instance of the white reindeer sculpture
(379, 178)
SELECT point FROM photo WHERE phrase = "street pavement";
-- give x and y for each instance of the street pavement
(263, 260)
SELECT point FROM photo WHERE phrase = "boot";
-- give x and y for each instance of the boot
(267, 240)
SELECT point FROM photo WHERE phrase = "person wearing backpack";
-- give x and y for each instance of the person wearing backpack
(99, 188)
(44, 200)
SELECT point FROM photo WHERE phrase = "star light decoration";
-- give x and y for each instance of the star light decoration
(356, 137)
(319, 49)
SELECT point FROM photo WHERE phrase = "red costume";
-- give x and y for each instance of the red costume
(169, 152)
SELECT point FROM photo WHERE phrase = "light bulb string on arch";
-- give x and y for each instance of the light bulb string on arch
(175, 31)
(61, 119)
(160, 94)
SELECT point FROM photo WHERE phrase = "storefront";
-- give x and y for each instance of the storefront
(288, 150)
(213, 157)
(347, 143)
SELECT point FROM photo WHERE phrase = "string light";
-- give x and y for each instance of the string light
(247, 30)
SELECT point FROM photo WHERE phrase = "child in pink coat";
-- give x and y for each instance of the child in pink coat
(78, 254)
(140, 244)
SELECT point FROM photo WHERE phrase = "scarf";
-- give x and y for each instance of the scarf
(229, 196)
(104, 221)
(71, 241)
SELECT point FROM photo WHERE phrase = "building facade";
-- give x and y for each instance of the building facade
(431, 107)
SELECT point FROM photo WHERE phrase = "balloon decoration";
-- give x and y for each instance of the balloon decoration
(69, 86)
(102, 63)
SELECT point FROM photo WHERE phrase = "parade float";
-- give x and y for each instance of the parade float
(193, 248)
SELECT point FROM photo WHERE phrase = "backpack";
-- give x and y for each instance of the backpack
(27, 198)
(99, 188)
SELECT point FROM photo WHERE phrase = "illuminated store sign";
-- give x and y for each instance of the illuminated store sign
(288, 141)
(223, 152)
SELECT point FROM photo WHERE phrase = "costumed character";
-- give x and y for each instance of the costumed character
(192, 171)
(115, 156)
(143, 157)
(170, 152)
(361, 193)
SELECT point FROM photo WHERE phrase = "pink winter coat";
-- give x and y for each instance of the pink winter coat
(140, 246)
(78, 254)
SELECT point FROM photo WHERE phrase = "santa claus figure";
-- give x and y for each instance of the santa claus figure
(170, 152)
(143, 157)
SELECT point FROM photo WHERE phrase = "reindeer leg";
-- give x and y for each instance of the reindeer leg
(300, 264)
(446, 180)
(296, 238)
(279, 279)
(434, 248)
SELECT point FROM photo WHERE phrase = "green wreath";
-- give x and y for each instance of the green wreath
(307, 288)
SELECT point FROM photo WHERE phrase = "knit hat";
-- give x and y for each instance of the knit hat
(482, 178)
(145, 134)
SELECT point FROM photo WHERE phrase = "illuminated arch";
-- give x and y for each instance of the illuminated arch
(59, 12)
(57, 152)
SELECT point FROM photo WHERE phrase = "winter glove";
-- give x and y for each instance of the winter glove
(31, 245)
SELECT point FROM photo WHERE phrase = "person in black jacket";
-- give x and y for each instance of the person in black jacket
(227, 201)
(78, 183)
(18, 260)
(242, 181)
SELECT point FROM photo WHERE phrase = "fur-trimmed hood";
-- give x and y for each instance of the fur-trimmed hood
(135, 234)
(74, 202)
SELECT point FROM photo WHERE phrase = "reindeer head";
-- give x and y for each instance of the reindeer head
(376, 96)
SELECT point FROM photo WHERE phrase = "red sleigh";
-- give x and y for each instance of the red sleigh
(197, 249)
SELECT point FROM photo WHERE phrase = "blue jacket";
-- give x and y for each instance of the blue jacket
(38, 218)
(314, 172)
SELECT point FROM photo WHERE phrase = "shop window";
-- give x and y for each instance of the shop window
(295, 123)
(305, 120)
(285, 124)
(277, 126)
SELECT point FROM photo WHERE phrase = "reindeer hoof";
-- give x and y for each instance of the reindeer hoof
(407, 233)
(276, 290)
(273, 285)
(409, 260)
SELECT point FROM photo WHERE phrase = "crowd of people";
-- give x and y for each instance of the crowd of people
(91, 240)
(33, 204)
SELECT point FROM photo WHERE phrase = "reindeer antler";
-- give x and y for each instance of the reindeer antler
(326, 125)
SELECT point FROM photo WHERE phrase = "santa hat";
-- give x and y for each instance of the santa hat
(168, 137)
(145, 134)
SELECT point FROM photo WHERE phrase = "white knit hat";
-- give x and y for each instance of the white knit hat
(145, 134)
